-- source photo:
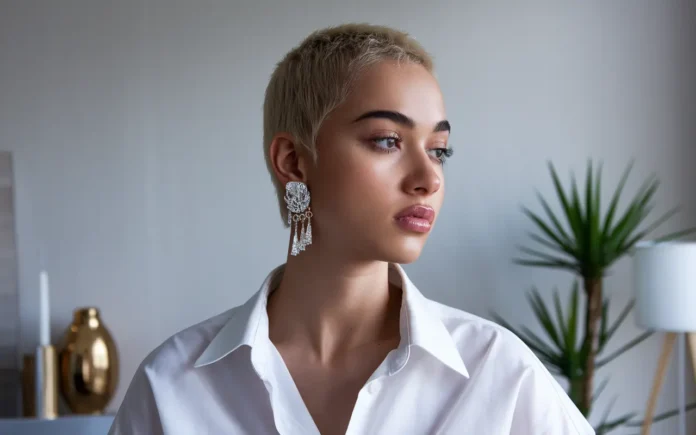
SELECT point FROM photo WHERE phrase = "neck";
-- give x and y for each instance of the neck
(330, 306)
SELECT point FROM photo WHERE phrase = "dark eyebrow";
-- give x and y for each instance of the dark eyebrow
(400, 118)
(442, 126)
(396, 117)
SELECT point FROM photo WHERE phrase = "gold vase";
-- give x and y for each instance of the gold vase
(88, 363)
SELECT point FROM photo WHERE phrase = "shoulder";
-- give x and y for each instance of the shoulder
(158, 373)
(473, 334)
(497, 358)
(483, 344)
(180, 351)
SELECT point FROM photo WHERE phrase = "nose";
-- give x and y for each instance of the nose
(423, 179)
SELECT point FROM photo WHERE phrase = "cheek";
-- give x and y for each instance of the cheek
(354, 183)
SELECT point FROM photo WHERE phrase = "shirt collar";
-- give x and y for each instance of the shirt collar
(419, 325)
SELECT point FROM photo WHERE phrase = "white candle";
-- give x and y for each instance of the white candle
(45, 312)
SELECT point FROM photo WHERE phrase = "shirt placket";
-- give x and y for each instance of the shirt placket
(290, 414)
(369, 394)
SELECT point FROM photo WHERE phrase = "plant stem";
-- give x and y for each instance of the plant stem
(593, 313)
(575, 390)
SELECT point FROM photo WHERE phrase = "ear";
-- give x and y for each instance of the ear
(288, 159)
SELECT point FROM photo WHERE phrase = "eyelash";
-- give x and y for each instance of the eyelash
(443, 153)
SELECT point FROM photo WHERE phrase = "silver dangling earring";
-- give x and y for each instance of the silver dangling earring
(297, 199)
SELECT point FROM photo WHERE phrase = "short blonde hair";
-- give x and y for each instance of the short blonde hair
(315, 77)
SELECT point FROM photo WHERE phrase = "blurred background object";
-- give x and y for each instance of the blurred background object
(88, 363)
(587, 238)
(664, 276)
(10, 368)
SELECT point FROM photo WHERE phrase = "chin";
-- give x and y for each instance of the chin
(405, 252)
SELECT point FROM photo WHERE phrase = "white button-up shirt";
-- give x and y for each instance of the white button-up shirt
(453, 373)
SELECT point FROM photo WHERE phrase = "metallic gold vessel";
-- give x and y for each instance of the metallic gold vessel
(88, 363)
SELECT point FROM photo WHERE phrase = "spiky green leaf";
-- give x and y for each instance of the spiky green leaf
(574, 224)
(543, 350)
(676, 235)
(609, 218)
(543, 316)
(546, 264)
(560, 318)
(663, 416)
(546, 257)
(600, 389)
(623, 349)
(577, 217)
(560, 231)
(551, 245)
(558, 239)
(552, 359)
(572, 325)
(619, 320)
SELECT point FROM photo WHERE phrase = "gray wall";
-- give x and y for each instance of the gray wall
(9, 294)
(136, 127)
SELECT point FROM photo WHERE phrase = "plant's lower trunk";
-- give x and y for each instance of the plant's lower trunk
(593, 313)
(575, 390)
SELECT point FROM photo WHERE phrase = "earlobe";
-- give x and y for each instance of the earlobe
(286, 159)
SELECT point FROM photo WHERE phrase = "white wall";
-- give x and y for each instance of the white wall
(136, 128)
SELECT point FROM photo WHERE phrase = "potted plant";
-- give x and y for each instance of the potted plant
(586, 241)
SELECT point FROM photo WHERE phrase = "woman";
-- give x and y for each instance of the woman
(338, 340)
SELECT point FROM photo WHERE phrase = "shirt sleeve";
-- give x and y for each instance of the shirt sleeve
(544, 408)
(138, 413)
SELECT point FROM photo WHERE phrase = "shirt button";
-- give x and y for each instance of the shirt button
(373, 387)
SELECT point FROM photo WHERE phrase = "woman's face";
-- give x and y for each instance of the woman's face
(378, 184)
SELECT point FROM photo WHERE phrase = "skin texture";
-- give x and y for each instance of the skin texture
(334, 317)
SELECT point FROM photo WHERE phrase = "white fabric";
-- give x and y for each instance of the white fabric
(453, 373)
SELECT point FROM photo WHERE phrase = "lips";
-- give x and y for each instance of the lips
(417, 218)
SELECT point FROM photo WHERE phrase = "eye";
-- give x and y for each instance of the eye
(387, 143)
(441, 154)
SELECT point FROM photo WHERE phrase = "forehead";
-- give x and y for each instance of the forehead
(405, 87)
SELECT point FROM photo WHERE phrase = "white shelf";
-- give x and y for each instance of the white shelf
(68, 425)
